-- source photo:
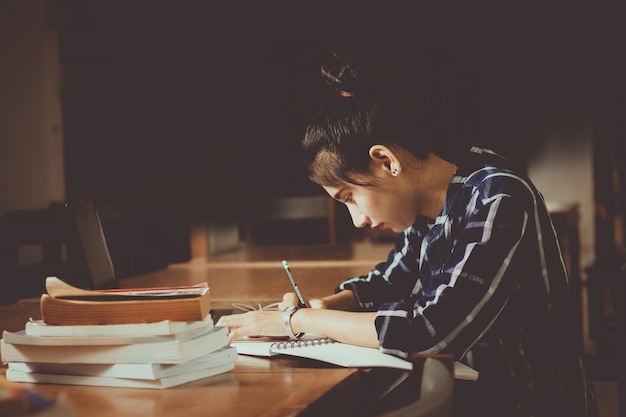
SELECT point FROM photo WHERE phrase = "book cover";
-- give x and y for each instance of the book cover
(158, 328)
(67, 305)
(151, 371)
(174, 351)
(336, 353)
(161, 383)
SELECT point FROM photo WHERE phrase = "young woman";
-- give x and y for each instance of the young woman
(476, 270)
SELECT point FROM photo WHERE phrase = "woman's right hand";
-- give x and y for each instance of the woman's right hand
(291, 299)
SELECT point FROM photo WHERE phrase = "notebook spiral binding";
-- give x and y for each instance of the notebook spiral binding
(290, 344)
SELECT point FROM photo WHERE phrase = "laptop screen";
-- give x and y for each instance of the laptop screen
(93, 242)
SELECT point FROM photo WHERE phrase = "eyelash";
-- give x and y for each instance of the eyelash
(347, 199)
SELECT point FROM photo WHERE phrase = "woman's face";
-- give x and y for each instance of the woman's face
(385, 205)
(399, 189)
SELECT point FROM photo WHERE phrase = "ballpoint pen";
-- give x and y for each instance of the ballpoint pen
(301, 302)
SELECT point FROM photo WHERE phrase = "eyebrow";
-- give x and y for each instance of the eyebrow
(337, 195)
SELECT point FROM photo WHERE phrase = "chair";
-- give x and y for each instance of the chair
(426, 391)
(33, 244)
(618, 298)
(292, 220)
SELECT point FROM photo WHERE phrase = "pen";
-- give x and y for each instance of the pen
(301, 302)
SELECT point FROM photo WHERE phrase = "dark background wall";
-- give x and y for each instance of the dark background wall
(179, 112)
(199, 107)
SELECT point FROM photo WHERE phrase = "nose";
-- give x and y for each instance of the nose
(358, 218)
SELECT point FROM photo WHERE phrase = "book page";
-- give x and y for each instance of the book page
(343, 355)
(336, 353)
(57, 288)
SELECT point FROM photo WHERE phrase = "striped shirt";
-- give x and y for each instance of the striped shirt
(486, 282)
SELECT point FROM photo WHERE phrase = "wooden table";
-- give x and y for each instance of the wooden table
(257, 386)
(262, 283)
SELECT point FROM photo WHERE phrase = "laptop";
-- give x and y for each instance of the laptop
(93, 241)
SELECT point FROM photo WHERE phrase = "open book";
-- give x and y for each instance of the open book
(67, 305)
(336, 353)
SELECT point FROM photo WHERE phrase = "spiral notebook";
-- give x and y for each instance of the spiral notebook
(336, 353)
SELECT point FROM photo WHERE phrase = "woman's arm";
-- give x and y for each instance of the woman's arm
(327, 318)
(355, 328)
(343, 300)
(343, 326)
(467, 279)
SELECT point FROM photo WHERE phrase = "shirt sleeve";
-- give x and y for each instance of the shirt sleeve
(392, 280)
(462, 295)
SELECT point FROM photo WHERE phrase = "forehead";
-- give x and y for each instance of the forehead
(335, 191)
(326, 169)
(338, 192)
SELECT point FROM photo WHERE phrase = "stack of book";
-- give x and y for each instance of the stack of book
(121, 338)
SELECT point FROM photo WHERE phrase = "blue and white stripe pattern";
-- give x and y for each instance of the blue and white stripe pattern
(486, 282)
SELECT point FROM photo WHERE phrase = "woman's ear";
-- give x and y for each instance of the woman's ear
(385, 158)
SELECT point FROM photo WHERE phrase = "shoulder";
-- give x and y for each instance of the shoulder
(490, 181)
(490, 184)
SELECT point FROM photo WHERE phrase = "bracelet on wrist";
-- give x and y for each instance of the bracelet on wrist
(287, 313)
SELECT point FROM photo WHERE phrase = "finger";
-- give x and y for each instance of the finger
(225, 320)
(232, 320)
(289, 299)
(234, 334)
(317, 303)
(236, 327)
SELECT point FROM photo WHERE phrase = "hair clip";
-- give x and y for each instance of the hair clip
(344, 93)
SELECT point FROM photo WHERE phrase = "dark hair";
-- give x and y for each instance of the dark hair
(362, 113)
